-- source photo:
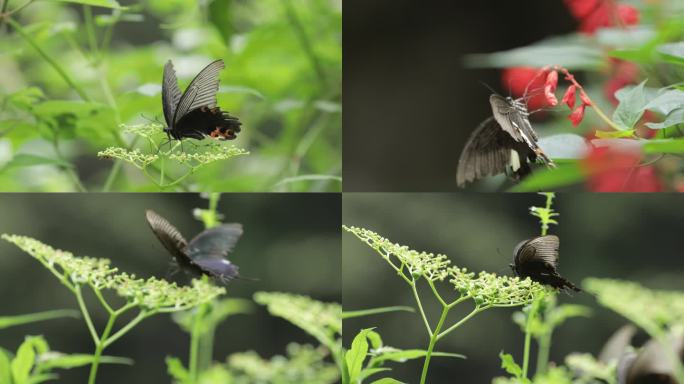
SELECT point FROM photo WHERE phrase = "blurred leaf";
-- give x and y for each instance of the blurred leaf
(375, 339)
(375, 311)
(667, 101)
(96, 3)
(5, 367)
(217, 312)
(621, 37)
(631, 107)
(51, 360)
(571, 52)
(614, 134)
(564, 146)
(546, 179)
(357, 354)
(672, 119)
(10, 321)
(673, 51)
(175, 368)
(28, 160)
(387, 380)
(219, 13)
(23, 361)
(300, 178)
(664, 146)
(510, 365)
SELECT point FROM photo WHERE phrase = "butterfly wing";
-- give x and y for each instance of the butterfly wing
(201, 92)
(512, 120)
(488, 152)
(539, 249)
(168, 235)
(171, 94)
(218, 268)
(214, 243)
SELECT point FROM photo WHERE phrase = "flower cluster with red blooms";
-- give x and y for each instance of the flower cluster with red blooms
(613, 170)
(595, 14)
(570, 95)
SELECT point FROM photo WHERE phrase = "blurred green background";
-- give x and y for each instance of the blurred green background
(626, 236)
(291, 244)
(282, 79)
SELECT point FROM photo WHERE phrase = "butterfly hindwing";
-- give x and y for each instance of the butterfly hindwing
(215, 242)
(537, 258)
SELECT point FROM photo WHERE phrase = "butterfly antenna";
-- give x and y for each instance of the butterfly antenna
(490, 88)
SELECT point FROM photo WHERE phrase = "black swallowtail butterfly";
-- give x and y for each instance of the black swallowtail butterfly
(537, 258)
(504, 142)
(194, 114)
(205, 253)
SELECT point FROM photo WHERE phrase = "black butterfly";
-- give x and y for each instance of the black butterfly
(194, 114)
(205, 253)
(504, 142)
(537, 258)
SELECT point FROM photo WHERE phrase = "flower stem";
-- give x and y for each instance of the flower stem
(195, 336)
(431, 346)
(420, 308)
(86, 315)
(544, 345)
(534, 308)
(100, 346)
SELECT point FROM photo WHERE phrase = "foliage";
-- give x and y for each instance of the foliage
(628, 56)
(484, 290)
(76, 80)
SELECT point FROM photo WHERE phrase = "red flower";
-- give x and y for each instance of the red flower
(577, 115)
(624, 73)
(585, 99)
(595, 14)
(550, 87)
(519, 79)
(613, 170)
(569, 97)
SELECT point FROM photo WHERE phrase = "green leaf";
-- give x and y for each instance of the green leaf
(667, 101)
(401, 356)
(23, 362)
(543, 180)
(664, 146)
(673, 51)
(51, 360)
(368, 372)
(42, 377)
(672, 119)
(357, 354)
(5, 367)
(375, 311)
(387, 380)
(631, 107)
(567, 311)
(10, 321)
(27, 160)
(95, 3)
(375, 339)
(175, 368)
(614, 134)
(510, 365)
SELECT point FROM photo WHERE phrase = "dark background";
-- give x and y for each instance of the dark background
(409, 103)
(624, 236)
(291, 243)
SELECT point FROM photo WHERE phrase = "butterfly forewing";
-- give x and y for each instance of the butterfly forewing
(171, 94)
(513, 119)
(167, 234)
(201, 91)
(539, 249)
(214, 243)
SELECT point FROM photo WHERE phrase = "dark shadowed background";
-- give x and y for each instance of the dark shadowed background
(291, 243)
(602, 235)
(409, 102)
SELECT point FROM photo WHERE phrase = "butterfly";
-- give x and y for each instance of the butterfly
(205, 253)
(194, 113)
(505, 142)
(537, 258)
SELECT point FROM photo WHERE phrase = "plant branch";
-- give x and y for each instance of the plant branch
(433, 340)
(420, 308)
(86, 315)
(460, 322)
(140, 317)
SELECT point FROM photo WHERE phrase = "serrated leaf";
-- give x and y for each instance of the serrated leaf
(631, 107)
(357, 354)
(510, 365)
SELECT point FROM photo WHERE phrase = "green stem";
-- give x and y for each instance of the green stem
(431, 346)
(140, 317)
(100, 347)
(86, 315)
(195, 336)
(90, 29)
(460, 322)
(68, 168)
(47, 58)
(161, 176)
(437, 295)
(420, 308)
(544, 343)
(534, 308)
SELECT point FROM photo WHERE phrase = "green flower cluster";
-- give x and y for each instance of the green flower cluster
(151, 293)
(135, 157)
(213, 153)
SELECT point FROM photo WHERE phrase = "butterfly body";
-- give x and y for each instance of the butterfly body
(503, 143)
(194, 114)
(537, 258)
(205, 253)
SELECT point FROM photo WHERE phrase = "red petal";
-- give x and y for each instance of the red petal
(552, 80)
(585, 99)
(581, 8)
(612, 170)
(577, 115)
(627, 14)
(516, 79)
(569, 97)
